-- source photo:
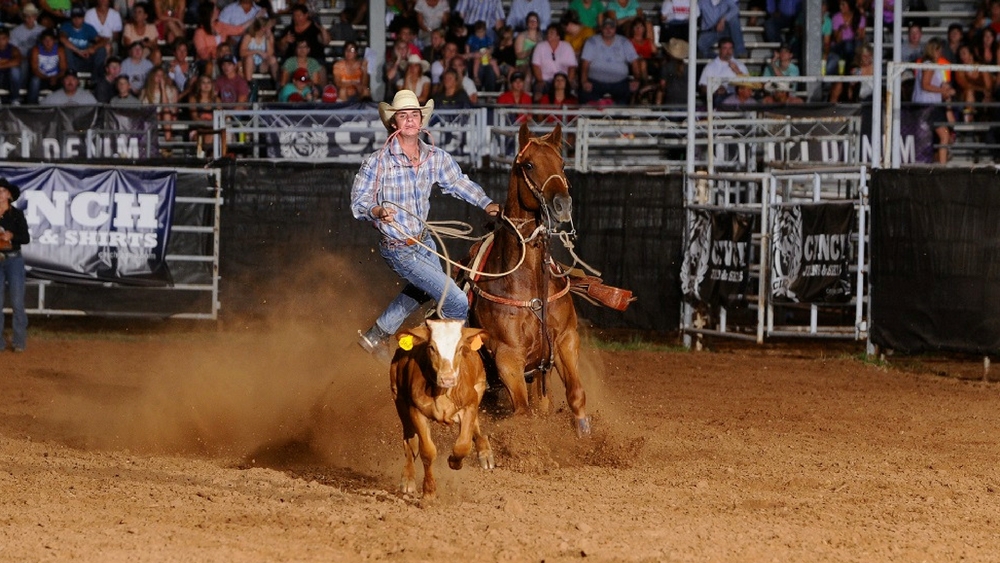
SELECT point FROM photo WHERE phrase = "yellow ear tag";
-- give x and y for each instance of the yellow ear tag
(406, 342)
(477, 343)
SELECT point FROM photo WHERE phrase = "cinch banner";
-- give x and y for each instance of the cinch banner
(96, 225)
(357, 136)
(54, 133)
(716, 267)
(811, 252)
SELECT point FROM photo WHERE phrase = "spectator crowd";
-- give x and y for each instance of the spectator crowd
(201, 53)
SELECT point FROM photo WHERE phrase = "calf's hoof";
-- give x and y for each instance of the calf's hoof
(582, 426)
(454, 462)
(408, 487)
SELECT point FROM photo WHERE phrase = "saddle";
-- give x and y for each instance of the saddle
(591, 288)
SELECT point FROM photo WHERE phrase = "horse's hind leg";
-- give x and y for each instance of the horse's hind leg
(510, 366)
(542, 400)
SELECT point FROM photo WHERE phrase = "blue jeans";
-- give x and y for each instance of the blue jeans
(10, 80)
(93, 64)
(775, 26)
(707, 38)
(35, 86)
(423, 270)
(619, 91)
(12, 272)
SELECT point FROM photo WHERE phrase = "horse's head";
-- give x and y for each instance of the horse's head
(538, 183)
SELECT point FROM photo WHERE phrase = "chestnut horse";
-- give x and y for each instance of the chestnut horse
(529, 312)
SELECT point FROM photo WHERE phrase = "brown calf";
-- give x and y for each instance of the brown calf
(437, 374)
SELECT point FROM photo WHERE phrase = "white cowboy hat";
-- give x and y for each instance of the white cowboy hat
(404, 100)
(677, 48)
(415, 59)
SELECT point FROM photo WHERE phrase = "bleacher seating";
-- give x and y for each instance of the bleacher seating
(970, 137)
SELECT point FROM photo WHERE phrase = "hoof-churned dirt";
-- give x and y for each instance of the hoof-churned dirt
(280, 443)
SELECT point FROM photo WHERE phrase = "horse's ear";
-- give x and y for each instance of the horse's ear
(523, 136)
(555, 137)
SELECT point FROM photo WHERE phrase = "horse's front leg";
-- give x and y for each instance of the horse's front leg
(568, 366)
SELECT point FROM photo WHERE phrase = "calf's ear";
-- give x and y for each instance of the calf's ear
(475, 337)
(410, 337)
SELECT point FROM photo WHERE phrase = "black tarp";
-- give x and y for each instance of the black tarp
(935, 261)
(279, 215)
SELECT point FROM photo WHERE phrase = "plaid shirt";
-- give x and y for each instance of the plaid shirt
(386, 176)
(488, 11)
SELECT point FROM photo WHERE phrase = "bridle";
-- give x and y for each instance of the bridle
(539, 192)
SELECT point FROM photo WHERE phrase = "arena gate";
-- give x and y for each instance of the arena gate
(776, 254)
(120, 240)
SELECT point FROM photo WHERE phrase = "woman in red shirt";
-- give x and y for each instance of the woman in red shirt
(560, 95)
(643, 47)
(515, 95)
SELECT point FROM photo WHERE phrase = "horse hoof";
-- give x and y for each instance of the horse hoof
(583, 427)
(486, 461)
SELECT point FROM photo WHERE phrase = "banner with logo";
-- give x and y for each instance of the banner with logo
(349, 135)
(716, 265)
(811, 252)
(90, 225)
(55, 133)
(818, 140)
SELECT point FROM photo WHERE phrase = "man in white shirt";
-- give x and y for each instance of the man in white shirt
(722, 66)
(675, 15)
(25, 36)
(431, 14)
(108, 23)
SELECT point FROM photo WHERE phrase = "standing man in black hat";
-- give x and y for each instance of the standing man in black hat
(13, 234)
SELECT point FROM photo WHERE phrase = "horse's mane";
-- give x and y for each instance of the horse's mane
(543, 140)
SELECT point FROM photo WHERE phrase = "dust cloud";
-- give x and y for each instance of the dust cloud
(293, 389)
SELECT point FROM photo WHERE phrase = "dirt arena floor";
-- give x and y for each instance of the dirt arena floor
(277, 441)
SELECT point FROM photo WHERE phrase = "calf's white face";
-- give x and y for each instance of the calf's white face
(445, 343)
